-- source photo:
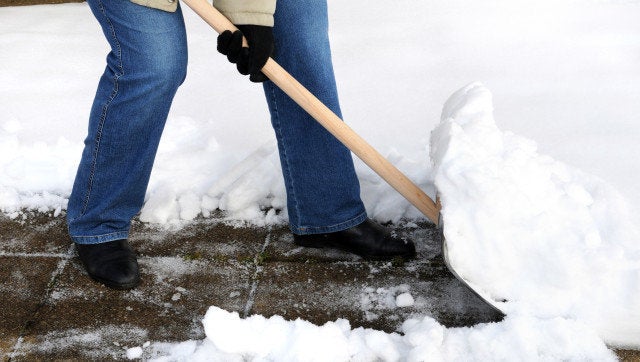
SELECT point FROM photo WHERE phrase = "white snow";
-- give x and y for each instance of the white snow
(404, 300)
(134, 352)
(377, 301)
(550, 239)
(230, 337)
(536, 192)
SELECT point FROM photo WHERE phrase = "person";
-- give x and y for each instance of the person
(146, 65)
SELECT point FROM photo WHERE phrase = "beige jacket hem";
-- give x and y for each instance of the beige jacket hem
(255, 12)
(166, 5)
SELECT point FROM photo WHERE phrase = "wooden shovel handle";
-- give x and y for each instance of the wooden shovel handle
(329, 120)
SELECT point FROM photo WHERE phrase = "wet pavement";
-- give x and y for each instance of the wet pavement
(52, 310)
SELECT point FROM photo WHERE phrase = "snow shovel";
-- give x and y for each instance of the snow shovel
(342, 132)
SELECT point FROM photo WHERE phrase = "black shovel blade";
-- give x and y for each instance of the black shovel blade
(486, 309)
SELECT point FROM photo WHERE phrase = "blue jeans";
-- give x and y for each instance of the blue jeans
(145, 67)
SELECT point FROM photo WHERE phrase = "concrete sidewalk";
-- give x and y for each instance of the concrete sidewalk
(52, 310)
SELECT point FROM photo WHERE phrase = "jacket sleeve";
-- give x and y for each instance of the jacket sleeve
(254, 12)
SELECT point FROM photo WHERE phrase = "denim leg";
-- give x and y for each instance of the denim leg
(145, 67)
(323, 191)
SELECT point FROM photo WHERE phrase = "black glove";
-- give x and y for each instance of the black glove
(248, 60)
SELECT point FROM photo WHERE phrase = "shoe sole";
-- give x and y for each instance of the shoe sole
(112, 285)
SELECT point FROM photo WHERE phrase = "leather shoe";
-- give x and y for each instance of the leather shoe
(369, 240)
(113, 263)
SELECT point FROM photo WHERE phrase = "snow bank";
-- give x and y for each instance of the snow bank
(35, 175)
(553, 241)
(274, 339)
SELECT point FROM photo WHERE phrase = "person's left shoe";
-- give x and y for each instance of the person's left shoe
(113, 263)
(369, 240)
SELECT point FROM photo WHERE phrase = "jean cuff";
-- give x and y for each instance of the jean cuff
(99, 239)
(308, 230)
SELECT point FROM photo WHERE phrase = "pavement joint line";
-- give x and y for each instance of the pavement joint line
(36, 255)
(255, 279)
(64, 261)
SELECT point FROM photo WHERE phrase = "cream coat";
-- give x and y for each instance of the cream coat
(256, 12)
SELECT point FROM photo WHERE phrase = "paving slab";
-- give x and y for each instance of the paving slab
(36, 233)
(83, 320)
(23, 286)
(366, 294)
(201, 238)
(628, 355)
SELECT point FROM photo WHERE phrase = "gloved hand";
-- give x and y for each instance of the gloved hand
(248, 60)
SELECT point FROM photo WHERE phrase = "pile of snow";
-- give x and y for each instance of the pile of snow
(230, 338)
(553, 241)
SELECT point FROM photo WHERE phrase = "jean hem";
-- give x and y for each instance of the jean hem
(308, 230)
(99, 239)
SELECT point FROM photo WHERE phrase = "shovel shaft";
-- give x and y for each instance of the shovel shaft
(329, 120)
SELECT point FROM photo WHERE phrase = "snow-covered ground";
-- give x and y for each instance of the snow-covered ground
(542, 227)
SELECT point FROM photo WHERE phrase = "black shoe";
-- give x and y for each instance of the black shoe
(112, 263)
(368, 240)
